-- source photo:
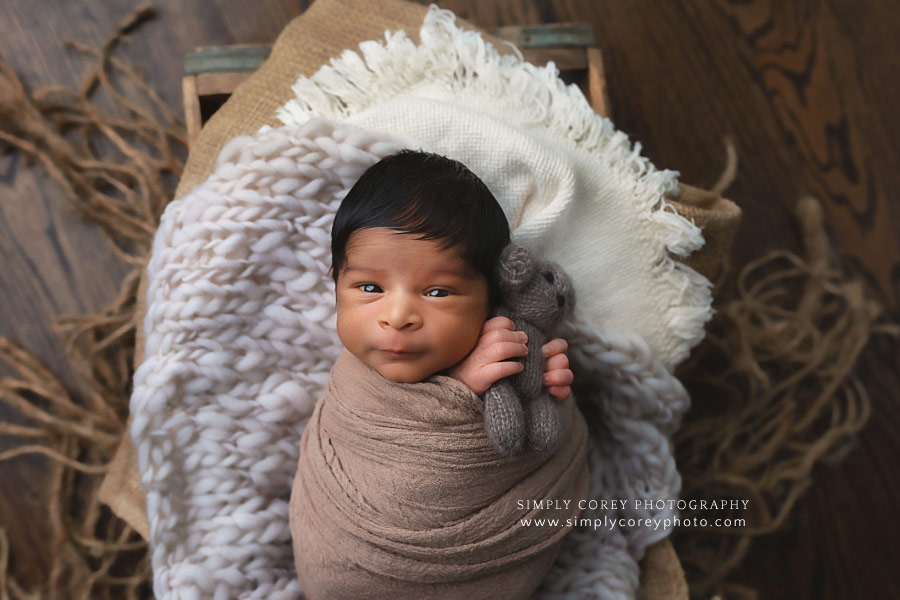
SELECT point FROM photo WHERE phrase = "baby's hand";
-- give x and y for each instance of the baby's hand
(557, 375)
(487, 362)
(498, 342)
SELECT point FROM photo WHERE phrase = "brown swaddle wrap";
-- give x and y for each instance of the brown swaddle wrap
(399, 494)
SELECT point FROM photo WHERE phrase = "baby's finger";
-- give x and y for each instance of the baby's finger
(503, 350)
(557, 361)
(560, 392)
(495, 371)
(553, 347)
(558, 377)
(497, 323)
(502, 335)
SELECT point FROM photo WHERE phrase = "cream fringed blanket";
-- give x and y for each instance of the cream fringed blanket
(399, 494)
(240, 318)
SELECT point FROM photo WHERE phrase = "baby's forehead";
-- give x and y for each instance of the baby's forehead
(380, 250)
(454, 266)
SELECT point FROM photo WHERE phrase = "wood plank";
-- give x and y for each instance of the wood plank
(565, 59)
(191, 102)
(597, 82)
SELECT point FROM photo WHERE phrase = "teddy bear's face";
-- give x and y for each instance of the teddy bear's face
(536, 291)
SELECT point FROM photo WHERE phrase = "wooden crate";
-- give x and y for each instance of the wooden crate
(572, 47)
(212, 73)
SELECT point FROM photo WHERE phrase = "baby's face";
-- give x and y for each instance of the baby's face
(405, 307)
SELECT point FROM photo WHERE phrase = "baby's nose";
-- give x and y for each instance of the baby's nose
(400, 324)
(401, 314)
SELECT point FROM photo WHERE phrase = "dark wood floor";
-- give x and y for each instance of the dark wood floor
(807, 90)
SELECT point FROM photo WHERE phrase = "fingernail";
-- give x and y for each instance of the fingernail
(545, 352)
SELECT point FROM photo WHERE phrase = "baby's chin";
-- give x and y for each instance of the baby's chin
(399, 371)
(402, 373)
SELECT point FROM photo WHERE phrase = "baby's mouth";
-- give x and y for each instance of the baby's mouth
(398, 353)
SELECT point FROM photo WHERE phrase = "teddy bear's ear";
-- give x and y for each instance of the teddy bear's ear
(515, 268)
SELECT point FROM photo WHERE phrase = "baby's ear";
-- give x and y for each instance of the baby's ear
(515, 268)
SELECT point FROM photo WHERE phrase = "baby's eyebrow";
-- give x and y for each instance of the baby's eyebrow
(451, 271)
(458, 272)
(348, 268)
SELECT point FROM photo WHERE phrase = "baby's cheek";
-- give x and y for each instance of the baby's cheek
(468, 339)
(348, 329)
(341, 324)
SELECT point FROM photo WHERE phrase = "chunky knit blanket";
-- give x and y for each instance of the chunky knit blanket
(240, 318)
(400, 494)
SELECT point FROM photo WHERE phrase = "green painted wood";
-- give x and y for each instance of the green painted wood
(217, 59)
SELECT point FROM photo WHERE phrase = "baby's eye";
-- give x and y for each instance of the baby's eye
(437, 293)
(369, 288)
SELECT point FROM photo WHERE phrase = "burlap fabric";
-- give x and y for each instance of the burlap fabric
(399, 494)
(323, 32)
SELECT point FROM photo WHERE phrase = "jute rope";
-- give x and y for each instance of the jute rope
(773, 383)
(784, 399)
(115, 150)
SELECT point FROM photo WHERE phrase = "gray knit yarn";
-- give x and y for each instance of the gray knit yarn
(537, 296)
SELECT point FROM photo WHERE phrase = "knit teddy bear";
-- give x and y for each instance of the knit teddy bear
(537, 296)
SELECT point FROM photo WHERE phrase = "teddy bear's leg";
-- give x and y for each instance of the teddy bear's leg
(504, 419)
(543, 423)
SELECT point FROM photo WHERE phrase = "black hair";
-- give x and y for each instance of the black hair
(427, 194)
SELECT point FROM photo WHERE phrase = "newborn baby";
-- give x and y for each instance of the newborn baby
(398, 492)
